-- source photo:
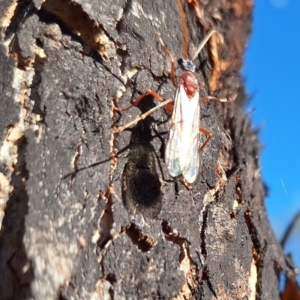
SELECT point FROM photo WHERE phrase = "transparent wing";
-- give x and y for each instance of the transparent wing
(182, 150)
(190, 156)
(172, 153)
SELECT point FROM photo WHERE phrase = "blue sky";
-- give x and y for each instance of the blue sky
(272, 74)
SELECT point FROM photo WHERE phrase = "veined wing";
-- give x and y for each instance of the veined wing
(182, 150)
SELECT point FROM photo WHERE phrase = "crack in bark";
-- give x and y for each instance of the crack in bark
(186, 263)
(258, 251)
(143, 241)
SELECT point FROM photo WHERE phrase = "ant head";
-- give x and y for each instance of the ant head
(186, 65)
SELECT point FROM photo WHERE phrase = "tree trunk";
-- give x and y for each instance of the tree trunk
(88, 213)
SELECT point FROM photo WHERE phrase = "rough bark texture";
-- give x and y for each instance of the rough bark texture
(113, 230)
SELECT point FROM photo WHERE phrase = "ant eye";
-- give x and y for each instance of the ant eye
(180, 61)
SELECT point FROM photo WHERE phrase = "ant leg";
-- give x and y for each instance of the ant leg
(208, 134)
(212, 98)
(143, 116)
(187, 185)
(140, 98)
(168, 53)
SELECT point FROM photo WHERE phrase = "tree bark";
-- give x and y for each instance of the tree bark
(88, 213)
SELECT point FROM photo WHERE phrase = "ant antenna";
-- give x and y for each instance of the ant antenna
(203, 42)
(184, 30)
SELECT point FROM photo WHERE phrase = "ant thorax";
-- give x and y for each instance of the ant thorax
(187, 78)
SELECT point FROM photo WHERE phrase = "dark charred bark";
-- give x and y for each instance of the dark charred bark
(84, 212)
